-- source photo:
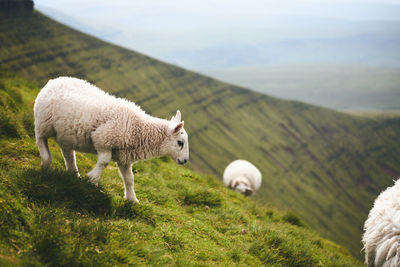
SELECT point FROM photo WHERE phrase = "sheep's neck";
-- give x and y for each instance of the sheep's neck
(148, 138)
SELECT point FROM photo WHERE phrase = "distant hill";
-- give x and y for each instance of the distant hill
(324, 165)
(342, 87)
(52, 218)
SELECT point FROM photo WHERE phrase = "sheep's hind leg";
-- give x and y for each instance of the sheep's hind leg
(103, 158)
(70, 160)
(127, 175)
(44, 151)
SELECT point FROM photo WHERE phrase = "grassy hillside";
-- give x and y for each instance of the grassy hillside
(326, 166)
(185, 218)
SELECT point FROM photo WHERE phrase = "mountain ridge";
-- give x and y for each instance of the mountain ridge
(341, 87)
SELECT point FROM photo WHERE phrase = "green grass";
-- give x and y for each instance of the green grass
(326, 166)
(52, 218)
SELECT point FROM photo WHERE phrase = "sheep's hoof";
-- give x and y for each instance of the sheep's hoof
(94, 181)
(45, 167)
(133, 200)
(75, 173)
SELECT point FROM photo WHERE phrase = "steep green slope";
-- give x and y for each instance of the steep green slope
(53, 218)
(324, 165)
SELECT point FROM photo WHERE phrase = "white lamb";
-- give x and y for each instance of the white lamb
(242, 176)
(84, 118)
(382, 230)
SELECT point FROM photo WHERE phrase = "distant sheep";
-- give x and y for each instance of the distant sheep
(242, 176)
(382, 230)
(84, 118)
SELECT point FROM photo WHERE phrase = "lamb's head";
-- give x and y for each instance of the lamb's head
(176, 144)
(241, 185)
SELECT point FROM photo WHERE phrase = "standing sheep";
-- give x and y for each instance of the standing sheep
(382, 229)
(84, 118)
(242, 176)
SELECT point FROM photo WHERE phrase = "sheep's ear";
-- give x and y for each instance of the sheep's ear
(177, 117)
(178, 127)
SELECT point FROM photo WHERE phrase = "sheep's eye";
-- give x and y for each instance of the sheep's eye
(180, 144)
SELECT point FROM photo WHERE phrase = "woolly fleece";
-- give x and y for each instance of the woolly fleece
(242, 176)
(382, 230)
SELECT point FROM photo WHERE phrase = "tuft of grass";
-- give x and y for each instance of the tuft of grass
(13, 217)
(202, 197)
(8, 126)
(293, 219)
(281, 249)
(28, 124)
(16, 116)
(127, 210)
(173, 241)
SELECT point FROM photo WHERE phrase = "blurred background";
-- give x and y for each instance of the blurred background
(339, 54)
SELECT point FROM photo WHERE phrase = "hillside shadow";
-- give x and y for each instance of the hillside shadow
(130, 211)
(60, 188)
(63, 189)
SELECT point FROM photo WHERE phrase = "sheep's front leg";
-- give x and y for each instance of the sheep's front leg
(127, 175)
(103, 158)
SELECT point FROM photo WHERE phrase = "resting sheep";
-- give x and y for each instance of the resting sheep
(84, 118)
(242, 176)
(382, 229)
